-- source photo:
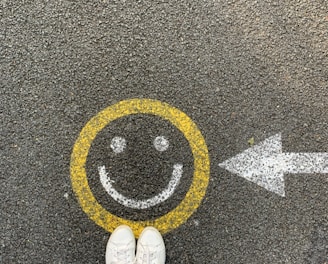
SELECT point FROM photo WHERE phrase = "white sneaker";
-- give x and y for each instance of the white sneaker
(150, 248)
(121, 246)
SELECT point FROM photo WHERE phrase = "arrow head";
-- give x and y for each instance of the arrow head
(262, 164)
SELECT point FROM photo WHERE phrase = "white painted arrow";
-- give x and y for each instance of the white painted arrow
(265, 164)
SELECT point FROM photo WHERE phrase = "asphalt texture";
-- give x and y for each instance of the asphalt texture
(238, 69)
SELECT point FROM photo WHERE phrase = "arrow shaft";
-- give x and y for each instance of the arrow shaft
(305, 162)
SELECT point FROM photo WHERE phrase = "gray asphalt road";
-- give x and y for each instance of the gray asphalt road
(238, 69)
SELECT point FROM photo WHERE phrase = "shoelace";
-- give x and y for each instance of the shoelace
(121, 257)
(147, 257)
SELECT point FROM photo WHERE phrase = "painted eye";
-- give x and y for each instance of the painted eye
(161, 143)
(118, 144)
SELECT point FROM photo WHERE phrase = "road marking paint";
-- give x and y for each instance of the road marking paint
(118, 144)
(141, 204)
(265, 164)
(161, 143)
(179, 119)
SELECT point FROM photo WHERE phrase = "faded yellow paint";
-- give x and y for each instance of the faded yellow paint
(196, 192)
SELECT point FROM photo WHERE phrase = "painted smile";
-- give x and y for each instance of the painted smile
(146, 203)
(118, 145)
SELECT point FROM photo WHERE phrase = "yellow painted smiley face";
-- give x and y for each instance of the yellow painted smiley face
(180, 120)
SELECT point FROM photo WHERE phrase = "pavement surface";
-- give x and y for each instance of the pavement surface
(241, 70)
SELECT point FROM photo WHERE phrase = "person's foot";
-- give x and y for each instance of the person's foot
(150, 248)
(121, 246)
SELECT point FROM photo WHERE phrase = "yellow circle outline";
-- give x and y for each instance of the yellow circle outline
(196, 192)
